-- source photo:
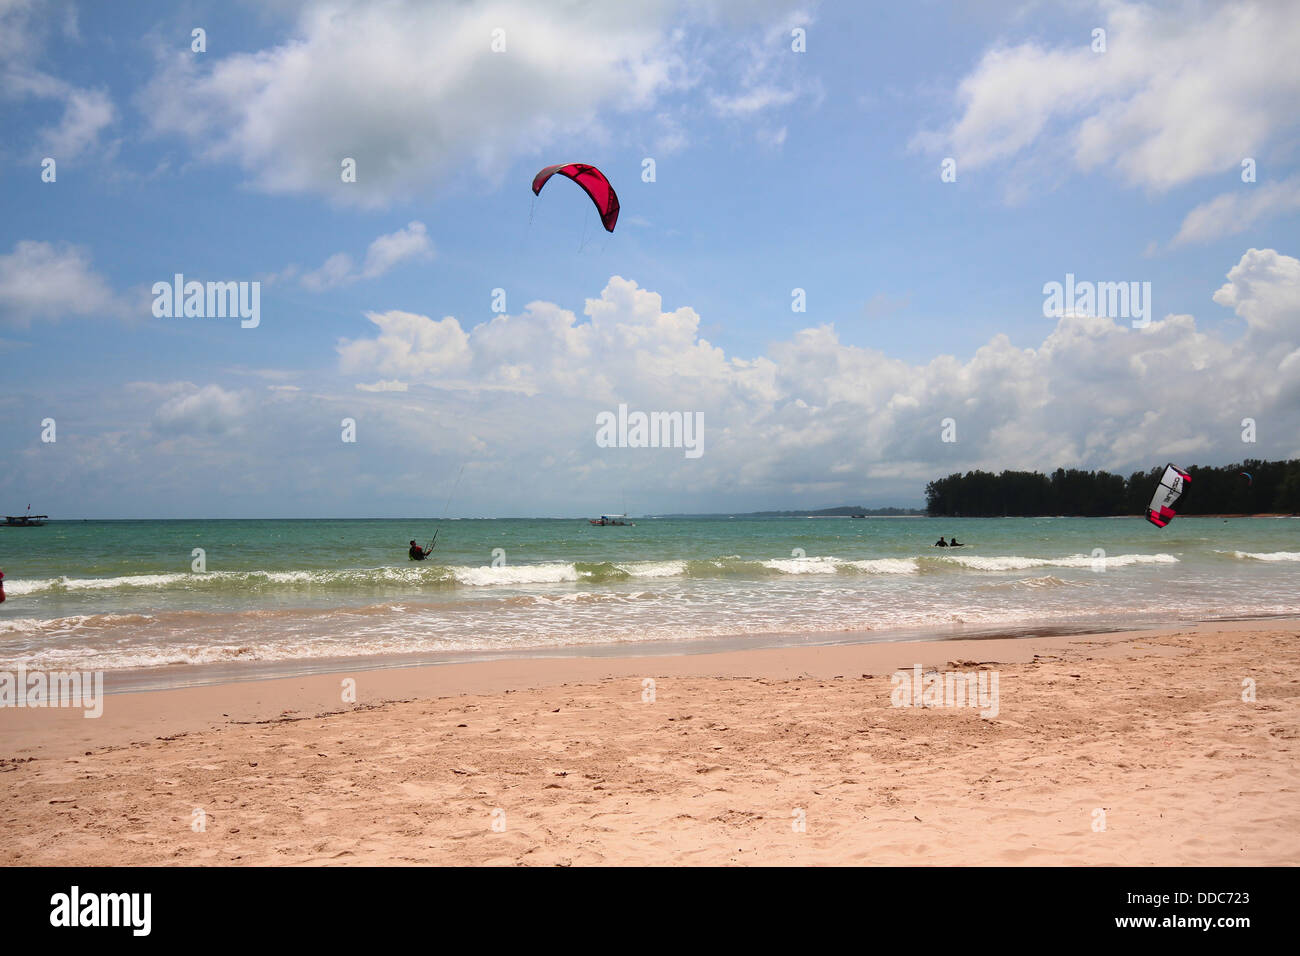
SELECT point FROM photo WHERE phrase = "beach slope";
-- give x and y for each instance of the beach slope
(1126, 749)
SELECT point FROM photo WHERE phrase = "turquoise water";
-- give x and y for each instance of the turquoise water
(116, 594)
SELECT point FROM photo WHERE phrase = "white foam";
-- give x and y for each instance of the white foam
(36, 585)
(1046, 581)
(21, 625)
(487, 576)
(1019, 563)
(654, 569)
(1265, 555)
(817, 565)
(828, 564)
(886, 566)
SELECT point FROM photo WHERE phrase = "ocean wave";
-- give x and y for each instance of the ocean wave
(414, 637)
(561, 572)
(1034, 584)
(833, 565)
(488, 576)
(1264, 555)
(32, 625)
(1017, 563)
(236, 580)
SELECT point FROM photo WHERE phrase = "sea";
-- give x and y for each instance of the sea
(188, 601)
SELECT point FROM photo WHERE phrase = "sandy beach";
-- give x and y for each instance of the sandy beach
(1124, 749)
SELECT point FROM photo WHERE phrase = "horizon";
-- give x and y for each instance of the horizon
(1000, 241)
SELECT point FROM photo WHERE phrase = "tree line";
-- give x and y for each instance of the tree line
(1273, 486)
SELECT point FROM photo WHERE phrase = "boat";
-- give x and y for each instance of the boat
(619, 520)
(28, 520)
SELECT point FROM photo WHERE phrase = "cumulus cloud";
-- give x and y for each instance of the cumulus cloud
(1181, 92)
(810, 421)
(1264, 289)
(818, 413)
(42, 280)
(416, 95)
(409, 345)
(1235, 212)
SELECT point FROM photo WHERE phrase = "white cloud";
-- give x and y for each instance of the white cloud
(811, 421)
(772, 77)
(42, 280)
(409, 345)
(207, 411)
(385, 253)
(1264, 289)
(1235, 212)
(337, 270)
(1181, 92)
(752, 101)
(414, 93)
(87, 113)
(816, 411)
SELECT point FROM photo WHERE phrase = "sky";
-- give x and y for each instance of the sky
(839, 227)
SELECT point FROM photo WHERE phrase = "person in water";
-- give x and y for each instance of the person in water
(941, 543)
(2, 587)
(954, 543)
(418, 553)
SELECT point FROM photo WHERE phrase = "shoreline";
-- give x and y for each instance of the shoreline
(163, 677)
(244, 695)
(1145, 730)
(131, 715)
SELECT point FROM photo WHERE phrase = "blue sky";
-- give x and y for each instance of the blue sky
(774, 170)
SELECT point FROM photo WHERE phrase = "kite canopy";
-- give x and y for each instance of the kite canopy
(593, 181)
(1171, 487)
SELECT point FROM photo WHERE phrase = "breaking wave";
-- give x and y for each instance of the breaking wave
(1264, 556)
(560, 572)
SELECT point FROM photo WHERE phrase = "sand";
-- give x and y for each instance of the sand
(1128, 749)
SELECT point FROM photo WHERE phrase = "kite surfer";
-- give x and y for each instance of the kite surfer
(418, 553)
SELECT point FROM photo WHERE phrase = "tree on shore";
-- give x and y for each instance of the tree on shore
(1249, 487)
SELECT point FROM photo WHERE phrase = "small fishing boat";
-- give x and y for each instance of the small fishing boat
(619, 520)
(28, 520)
